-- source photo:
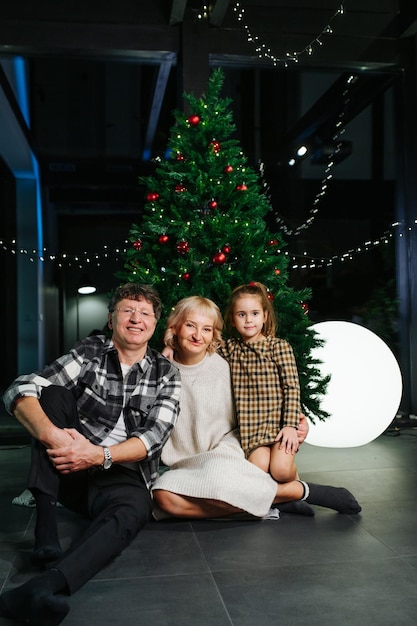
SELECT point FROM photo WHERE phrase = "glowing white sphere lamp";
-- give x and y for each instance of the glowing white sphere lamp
(365, 388)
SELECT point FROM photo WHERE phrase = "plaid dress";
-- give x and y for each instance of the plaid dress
(266, 388)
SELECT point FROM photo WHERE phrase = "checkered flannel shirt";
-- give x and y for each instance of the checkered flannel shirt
(148, 397)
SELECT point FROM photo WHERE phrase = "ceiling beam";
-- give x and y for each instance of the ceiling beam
(320, 120)
(218, 12)
(158, 98)
(177, 12)
(16, 140)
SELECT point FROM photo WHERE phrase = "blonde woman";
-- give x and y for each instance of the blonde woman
(208, 474)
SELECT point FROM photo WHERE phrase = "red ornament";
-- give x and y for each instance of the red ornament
(215, 146)
(271, 296)
(152, 196)
(138, 244)
(277, 271)
(241, 187)
(180, 188)
(212, 204)
(163, 238)
(193, 120)
(226, 248)
(228, 169)
(219, 258)
(180, 157)
(272, 242)
(183, 247)
(304, 306)
(186, 276)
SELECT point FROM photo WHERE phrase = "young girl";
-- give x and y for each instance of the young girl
(265, 383)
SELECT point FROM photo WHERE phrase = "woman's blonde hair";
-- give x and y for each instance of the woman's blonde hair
(252, 289)
(183, 310)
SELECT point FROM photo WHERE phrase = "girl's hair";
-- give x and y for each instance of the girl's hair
(135, 291)
(252, 289)
(183, 309)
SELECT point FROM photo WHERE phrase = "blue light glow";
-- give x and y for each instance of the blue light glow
(22, 98)
(21, 87)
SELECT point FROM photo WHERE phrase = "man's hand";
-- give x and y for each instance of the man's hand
(56, 437)
(77, 454)
(303, 428)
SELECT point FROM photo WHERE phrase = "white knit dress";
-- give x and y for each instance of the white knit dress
(203, 452)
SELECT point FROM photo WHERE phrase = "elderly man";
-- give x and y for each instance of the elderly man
(99, 417)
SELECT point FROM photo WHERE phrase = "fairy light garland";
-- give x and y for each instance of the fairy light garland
(264, 51)
(80, 260)
(307, 262)
(328, 173)
(300, 261)
(327, 177)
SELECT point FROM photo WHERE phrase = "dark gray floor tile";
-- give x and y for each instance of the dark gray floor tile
(160, 601)
(327, 538)
(14, 464)
(411, 560)
(167, 548)
(394, 524)
(356, 593)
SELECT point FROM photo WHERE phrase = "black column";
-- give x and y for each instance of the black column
(406, 231)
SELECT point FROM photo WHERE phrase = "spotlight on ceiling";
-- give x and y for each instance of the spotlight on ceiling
(86, 286)
(302, 151)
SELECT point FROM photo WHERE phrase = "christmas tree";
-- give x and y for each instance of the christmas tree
(203, 231)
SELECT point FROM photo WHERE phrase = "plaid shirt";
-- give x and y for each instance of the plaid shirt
(265, 386)
(148, 397)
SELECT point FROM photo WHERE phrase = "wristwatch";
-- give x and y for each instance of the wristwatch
(108, 461)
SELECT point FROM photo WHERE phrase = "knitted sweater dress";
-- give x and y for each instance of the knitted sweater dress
(204, 452)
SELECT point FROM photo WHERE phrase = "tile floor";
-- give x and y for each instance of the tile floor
(330, 570)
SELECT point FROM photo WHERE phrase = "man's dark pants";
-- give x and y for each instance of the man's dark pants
(116, 500)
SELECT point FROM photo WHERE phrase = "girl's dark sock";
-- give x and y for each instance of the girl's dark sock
(337, 498)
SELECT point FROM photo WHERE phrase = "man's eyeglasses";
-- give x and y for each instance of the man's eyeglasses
(146, 315)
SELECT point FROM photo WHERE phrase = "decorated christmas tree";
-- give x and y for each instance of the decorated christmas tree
(203, 230)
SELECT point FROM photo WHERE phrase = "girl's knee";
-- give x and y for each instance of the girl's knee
(283, 472)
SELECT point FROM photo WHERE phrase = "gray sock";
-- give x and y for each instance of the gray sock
(337, 498)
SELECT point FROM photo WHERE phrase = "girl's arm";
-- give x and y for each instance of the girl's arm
(290, 385)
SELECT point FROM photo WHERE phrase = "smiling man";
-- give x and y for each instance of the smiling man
(99, 417)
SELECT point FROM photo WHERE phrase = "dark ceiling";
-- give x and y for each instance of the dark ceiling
(105, 76)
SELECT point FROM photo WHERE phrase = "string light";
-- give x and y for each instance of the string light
(203, 15)
(264, 51)
(84, 259)
(68, 259)
(349, 255)
(328, 174)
